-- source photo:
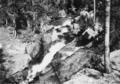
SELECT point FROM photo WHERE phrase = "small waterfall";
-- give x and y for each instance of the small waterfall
(46, 60)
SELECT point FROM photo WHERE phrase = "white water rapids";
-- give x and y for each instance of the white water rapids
(45, 62)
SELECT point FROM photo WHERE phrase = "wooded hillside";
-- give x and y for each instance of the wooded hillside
(64, 38)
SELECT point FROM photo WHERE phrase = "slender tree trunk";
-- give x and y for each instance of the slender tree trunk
(94, 11)
(107, 38)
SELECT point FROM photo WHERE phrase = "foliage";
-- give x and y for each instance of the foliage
(38, 14)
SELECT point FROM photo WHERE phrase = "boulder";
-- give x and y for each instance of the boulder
(16, 63)
(83, 79)
(79, 60)
(115, 59)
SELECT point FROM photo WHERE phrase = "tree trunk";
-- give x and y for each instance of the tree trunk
(94, 11)
(107, 38)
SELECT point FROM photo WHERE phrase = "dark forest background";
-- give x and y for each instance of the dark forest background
(33, 10)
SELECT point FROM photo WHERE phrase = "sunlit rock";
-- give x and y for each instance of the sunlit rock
(83, 79)
(62, 13)
(115, 59)
(15, 63)
(76, 28)
(32, 49)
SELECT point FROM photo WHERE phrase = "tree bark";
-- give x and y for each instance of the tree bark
(107, 38)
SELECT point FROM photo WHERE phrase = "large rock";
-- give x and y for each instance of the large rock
(73, 64)
(15, 57)
(83, 79)
(115, 59)
(16, 63)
